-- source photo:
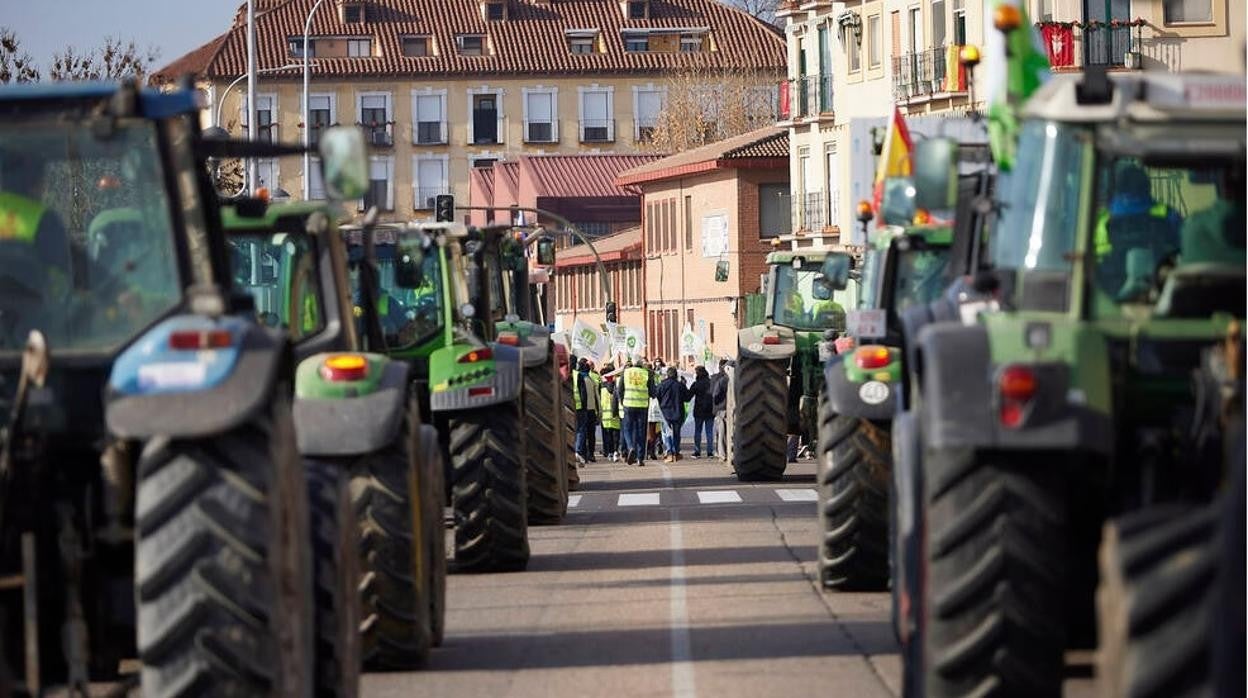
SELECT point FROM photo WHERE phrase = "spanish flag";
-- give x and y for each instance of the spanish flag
(894, 158)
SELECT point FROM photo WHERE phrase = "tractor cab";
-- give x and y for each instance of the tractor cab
(802, 297)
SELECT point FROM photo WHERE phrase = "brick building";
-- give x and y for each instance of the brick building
(578, 286)
(444, 86)
(720, 202)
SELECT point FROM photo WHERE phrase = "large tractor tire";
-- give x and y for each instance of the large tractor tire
(396, 632)
(853, 485)
(994, 602)
(430, 484)
(569, 438)
(761, 418)
(335, 580)
(223, 580)
(1154, 605)
(544, 457)
(488, 490)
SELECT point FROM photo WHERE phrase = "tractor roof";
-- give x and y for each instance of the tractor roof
(934, 234)
(1144, 97)
(151, 104)
(813, 255)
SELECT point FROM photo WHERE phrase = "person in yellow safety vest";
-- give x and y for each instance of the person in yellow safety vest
(828, 313)
(638, 389)
(1132, 220)
(26, 221)
(794, 306)
(608, 403)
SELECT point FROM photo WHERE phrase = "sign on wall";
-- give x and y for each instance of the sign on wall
(714, 234)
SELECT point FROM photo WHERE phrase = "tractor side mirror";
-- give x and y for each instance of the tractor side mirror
(936, 174)
(898, 204)
(835, 270)
(409, 262)
(344, 162)
(546, 252)
(721, 271)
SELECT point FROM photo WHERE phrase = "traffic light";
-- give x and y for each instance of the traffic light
(444, 208)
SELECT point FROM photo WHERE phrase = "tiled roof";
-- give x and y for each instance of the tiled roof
(580, 176)
(194, 62)
(530, 41)
(609, 247)
(768, 143)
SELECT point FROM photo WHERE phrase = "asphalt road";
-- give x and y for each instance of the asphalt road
(664, 580)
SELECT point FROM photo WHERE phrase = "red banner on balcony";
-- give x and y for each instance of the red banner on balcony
(784, 99)
(1059, 43)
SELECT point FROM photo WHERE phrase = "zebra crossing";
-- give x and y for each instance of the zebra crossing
(682, 497)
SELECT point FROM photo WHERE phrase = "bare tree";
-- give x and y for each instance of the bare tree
(762, 9)
(16, 65)
(115, 60)
(704, 105)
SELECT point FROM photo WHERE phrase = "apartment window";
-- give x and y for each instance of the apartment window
(353, 14)
(690, 43)
(673, 236)
(773, 210)
(854, 50)
(495, 11)
(636, 43)
(637, 9)
(375, 118)
(320, 116)
(485, 124)
(540, 125)
(938, 23)
(1182, 11)
(430, 181)
(597, 125)
(430, 121)
(415, 46)
(266, 117)
(380, 185)
(833, 188)
(267, 175)
(359, 48)
(593, 229)
(1044, 10)
(316, 180)
(873, 41)
(959, 22)
(688, 222)
(916, 30)
(581, 44)
(471, 44)
(649, 105)
(484, 162)
(296, 47)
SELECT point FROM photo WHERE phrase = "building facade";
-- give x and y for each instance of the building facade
(851, 61)
(444, 86)
(576, 283)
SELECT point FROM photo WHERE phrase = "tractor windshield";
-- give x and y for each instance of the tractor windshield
(802, 299)
(279, 271)
(920, 277)
(409, 316)
(1152, 218)
(86, 237)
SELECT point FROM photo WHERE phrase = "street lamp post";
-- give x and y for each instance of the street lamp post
(240, 78)
(307, 126)
(252, 127)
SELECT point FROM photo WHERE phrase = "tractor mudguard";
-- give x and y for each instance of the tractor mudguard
(504, 383)
(532, 339)
(873, 399)
(750, 343)
(960, 402)
(349, 424)
(192, 376)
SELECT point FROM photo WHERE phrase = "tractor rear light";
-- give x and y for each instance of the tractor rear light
(1017, 383)
(871, 357)
(771, 338)
(1011, 414)
(472, 357)
(190, 340)
(344, 367)
(481, 391)
(511, 339)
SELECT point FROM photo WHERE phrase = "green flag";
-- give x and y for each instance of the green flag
(1017, 65)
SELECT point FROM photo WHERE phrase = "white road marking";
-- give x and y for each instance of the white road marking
(574, 500)
(683, 685)
(798, 495)
(719, 497)
(644, 499)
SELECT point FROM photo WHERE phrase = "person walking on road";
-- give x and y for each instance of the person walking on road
(703, 412)
(719, 405)
(585, 399)
(672, 395)
(609, 408)
(638, 387)
(591, 434)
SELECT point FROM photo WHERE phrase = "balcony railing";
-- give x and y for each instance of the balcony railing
(429, 133)
(806, 97)
(810, 211)
(543, 131)
(597, 130)
(1107, 46)
(921, 74)
(378, 135)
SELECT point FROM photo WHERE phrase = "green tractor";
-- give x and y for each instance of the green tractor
(166, 521)
(1096, 408)
(903, 266)
(779, 376)
(436, 313)
(368, 458)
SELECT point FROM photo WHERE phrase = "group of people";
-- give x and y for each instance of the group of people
(641, 408)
